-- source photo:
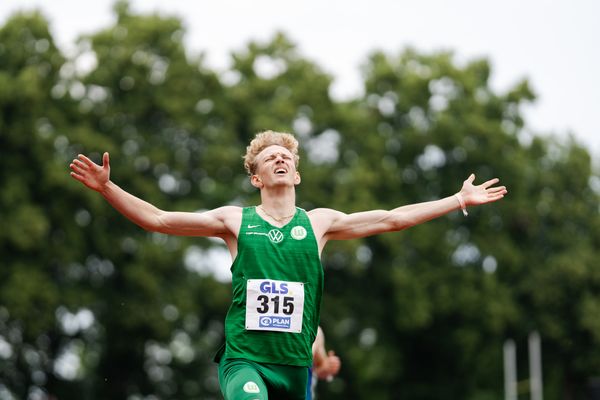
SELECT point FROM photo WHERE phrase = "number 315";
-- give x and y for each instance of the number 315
(287, 305)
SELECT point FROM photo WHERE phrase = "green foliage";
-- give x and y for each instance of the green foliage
(420, 314)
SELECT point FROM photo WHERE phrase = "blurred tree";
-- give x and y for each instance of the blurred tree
(435, 303)
(93, 307)
(32, 240)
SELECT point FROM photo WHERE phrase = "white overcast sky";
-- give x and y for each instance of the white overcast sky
(555, 44)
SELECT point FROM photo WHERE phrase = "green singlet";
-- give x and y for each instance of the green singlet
(277, 284)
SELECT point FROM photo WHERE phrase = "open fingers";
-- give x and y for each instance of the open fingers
(497, 193)
(80, 167)
(77, 176)
(86, 160)
(80, 164)
(489, 183)
(77, 169)
(495, 197)
(498, 189)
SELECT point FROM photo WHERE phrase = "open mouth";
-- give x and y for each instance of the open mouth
(280, 171)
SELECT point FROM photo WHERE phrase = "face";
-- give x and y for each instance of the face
(275, 166)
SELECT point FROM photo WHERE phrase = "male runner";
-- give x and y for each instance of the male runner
(277, 279)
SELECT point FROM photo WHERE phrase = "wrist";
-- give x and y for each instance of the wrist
(105, 188)
(461, 202)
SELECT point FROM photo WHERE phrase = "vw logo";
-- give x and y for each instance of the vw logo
(275, 235)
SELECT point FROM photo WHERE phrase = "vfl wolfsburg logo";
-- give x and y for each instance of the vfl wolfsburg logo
(251, 387)
(275, 235)
(298, 232)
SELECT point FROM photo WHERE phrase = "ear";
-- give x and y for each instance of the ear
(297, 178)
(256, 182)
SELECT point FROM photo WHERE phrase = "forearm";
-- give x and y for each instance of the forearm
(340, 226)
(469, 195)
(133, 208)
(415, 214)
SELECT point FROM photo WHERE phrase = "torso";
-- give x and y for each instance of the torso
(272, 262)
(320, 220)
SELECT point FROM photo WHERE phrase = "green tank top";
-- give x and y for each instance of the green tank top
(267, 321)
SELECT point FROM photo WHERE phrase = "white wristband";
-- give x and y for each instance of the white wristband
(461, 201)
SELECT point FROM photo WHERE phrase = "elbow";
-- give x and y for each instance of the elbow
(148, 226)
(400, 223)
(154, 223)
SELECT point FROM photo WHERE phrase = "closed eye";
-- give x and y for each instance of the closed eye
(274, 156)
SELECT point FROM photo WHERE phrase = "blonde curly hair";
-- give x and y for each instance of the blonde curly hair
(265, 139)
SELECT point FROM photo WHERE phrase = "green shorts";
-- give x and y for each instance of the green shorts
(242, 379)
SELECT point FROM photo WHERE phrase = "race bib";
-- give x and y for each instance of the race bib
(274, 305)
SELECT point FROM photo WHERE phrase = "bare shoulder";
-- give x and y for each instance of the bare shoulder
(230, 217)
(228, 211)
(324, 213)
(321, 219)
(228, 214)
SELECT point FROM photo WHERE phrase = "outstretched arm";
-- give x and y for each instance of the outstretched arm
(218, 222)
(335, 225)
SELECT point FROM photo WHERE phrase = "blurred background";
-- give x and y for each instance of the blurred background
(392, 103)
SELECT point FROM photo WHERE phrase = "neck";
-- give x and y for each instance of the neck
(278, 203)
(278, 196)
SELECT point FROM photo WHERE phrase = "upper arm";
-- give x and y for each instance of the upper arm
(220, 222)
(335, 225)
